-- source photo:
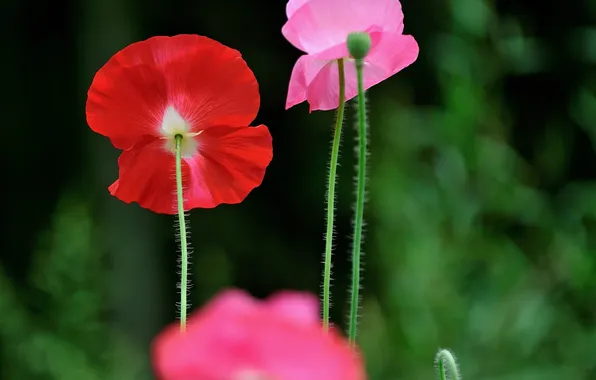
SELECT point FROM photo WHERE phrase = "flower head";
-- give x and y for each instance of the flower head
(236, 337)
(320, 28)
(186, 85)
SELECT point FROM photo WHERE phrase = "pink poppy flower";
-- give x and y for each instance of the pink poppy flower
(320, 29)
(236, 337)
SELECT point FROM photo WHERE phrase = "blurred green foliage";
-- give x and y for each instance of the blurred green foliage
(481, 217)
(58, 329)
(471, 252)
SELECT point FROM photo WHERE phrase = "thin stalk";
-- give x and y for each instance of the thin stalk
(183, 240)
(360, 199)
(331, 195)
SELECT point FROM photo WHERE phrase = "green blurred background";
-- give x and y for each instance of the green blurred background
(481, 220)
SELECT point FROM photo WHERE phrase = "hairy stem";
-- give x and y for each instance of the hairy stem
(360, 193)
(331, 195)
(446, 366)
(183, 240)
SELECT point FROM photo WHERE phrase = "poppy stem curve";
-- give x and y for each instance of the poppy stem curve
(446, 366)
(332, 177)
(360, 200)
(183, 239)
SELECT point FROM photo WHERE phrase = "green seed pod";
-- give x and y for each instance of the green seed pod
(359, 44)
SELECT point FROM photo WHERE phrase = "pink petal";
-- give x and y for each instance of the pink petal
(323, 91)
(392, 53)
(306, 353)
(305, 70)
(321, 24)
(236, 336)
(301, 308)
(293, 6)
(212, 346)
(227, 302)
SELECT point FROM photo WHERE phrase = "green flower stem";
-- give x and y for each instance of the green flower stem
(183, 242)
(360, 192)
(331, 194)
(446, 366)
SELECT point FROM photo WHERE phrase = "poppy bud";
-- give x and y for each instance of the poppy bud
(359, 44)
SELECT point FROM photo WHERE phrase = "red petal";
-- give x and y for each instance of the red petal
(206, 82)
(147, 176)
(212, 86)
(231, 162)
(126, 103)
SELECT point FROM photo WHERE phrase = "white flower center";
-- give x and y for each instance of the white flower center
(172, 125)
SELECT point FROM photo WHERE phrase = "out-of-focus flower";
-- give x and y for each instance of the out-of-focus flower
(236, 337)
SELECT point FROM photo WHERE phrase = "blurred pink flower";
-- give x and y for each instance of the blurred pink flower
(236, 337)
(320, 29)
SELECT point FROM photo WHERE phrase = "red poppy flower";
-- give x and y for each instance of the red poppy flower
(235, 337)
(187, 85)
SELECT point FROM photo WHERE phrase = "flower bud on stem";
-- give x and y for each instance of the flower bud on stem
(359, 44)
(358, 48)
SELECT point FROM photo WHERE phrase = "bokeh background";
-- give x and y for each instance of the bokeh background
(481, 220)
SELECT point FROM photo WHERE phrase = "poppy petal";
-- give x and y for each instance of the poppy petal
(231, 162)
(305, 70)
(206, 82)
(308, 354)
(309, 66)
(147, 177)
(301, 308)
(391, 53)
(320, 24)
(212, 86)
(323, 91)
(216, 354)
(236, 337)
(126, 103)
(293, 6)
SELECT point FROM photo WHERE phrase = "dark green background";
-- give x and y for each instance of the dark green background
(481, 228)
